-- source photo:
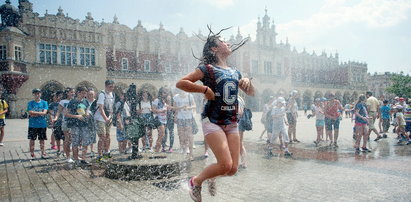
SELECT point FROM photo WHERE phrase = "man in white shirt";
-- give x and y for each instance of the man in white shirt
(103, 117)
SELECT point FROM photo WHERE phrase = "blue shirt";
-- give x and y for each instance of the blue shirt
(37, 121)
(362, 111)
(224, 83)
(385, 112)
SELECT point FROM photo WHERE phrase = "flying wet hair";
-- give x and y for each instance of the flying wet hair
(209, 56)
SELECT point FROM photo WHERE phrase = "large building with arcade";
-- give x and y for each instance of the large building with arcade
(54, 51)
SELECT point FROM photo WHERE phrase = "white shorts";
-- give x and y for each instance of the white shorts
(284, 134)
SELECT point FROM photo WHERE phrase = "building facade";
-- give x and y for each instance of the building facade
(55, 51)
(378, 83)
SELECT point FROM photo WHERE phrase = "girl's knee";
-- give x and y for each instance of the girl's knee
(232, 171)
(226, 167)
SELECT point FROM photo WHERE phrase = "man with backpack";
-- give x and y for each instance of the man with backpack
(103, 117)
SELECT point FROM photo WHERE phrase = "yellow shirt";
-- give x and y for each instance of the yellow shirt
(372, 104)
(3, 106)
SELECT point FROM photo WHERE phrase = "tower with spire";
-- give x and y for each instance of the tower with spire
(266, 35)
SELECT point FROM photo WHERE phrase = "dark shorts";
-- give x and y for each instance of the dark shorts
(2, 122)
(331, 123)
(408, 127)
(58, 133)
(290, 119)
(37, 132)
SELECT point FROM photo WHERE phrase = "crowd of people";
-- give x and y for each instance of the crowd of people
(328, 112)
(78, 118)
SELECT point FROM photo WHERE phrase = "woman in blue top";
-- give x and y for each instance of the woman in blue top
(361, 120)
(219, 118)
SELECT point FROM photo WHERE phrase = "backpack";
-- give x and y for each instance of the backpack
(246, 119)
(118, 111)
(94, 106)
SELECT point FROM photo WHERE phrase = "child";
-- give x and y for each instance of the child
(401, 124)
(3, 110)
(385, 117)
(37, 109)
(279, 125)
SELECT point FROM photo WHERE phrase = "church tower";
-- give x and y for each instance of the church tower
(266, 35)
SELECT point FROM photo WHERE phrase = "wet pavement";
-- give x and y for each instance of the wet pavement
(312, 174)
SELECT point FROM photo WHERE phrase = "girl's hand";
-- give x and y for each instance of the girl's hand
(209, 95)
(244, 83)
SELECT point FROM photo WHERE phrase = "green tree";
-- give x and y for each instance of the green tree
(401, 85)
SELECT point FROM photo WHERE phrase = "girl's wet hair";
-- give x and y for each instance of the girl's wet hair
(209, 56)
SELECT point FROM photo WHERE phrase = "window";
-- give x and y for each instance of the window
(87, 56)
(68, 55)
(18, 55)
(147, 65)
(267, 68)
(279, 69)
(3, 53)
(124, 64)
(48, 54)
(168, 68)
(254, 66)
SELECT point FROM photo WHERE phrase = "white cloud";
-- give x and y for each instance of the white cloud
(249, 29)
(335, 13)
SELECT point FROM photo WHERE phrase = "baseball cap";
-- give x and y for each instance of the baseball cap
(401, 99)
(281, 99)
(36, 90)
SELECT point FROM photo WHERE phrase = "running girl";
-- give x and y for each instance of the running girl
(219, 119)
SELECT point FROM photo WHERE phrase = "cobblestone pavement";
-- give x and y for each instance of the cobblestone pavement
(312, 174)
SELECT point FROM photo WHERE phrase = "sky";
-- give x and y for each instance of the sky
(377, 32)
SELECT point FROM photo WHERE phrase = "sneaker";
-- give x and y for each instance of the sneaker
(1, 144)
(170, 150)
(365, 149)
(163, 150)
(70, 160)
(58, 153)
(206, 154)
(84, 162)
(384, 135)
(288, 154)
(32, 156)
(401, 141)
(212, 187)
(54, 147)
(270, 154)
(409, 142)
(44, 156)
(335, 144)
(194, 146)
(92, 154)
(316, 143)
(378, 138)
(297, 141)
(195, 191)
(357, 151)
